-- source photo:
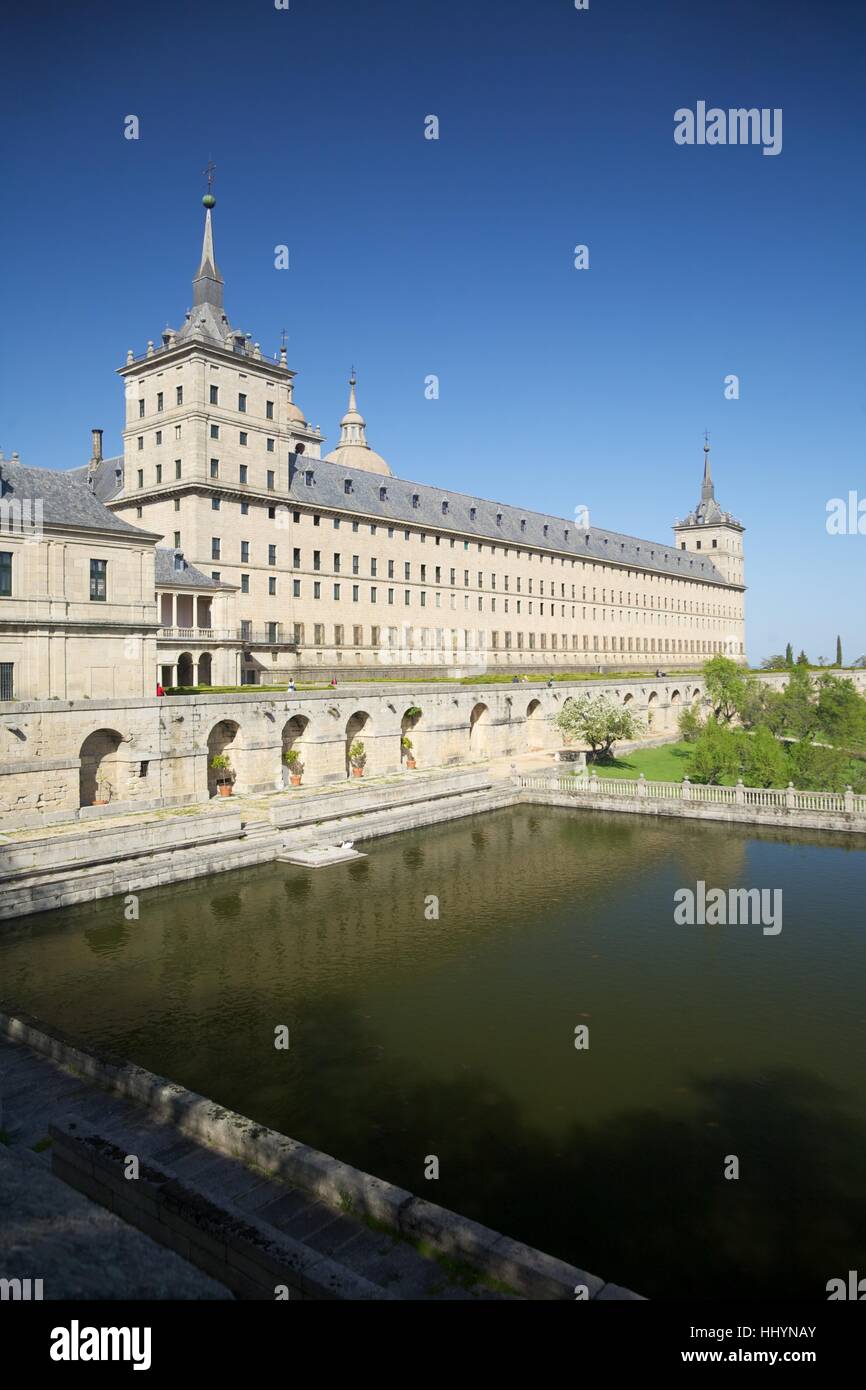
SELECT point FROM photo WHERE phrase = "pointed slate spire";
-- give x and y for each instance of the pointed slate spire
(707, 489)
(208, 285)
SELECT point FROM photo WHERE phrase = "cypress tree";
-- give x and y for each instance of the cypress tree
(789, 655)
(838, 651)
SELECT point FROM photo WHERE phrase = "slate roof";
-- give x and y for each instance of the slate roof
(66, 499)
(106, 483)
(476, 516)
(169, 576)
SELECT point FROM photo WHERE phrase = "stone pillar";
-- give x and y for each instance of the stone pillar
(849, 800)
(687, 789)
(641, 785)
(790, 797)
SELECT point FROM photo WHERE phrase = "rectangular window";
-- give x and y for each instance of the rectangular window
(357, 635)
(243, 439)
(177, 540)
(214, 504)
(160, 400)
(336, 591)
(374, 636)
(159, 436)
(317, 559)
(296, 558)
(269, 445)
(272, 584)
(159, 472)
(355, 564)
(338, 633)
(98, 581)
(141, 415)
(245, 508)
(214, 431)
(215, 547)
(269, 410)
(390, 595)
(270, 480)
(246, 628)
(245, 552)
(215, 574)
(372, 595)
(373, 569)
(214, 468)
(245, 583)
(177, 431)
(214, 395)
(296, 588)
(355, 593)
(178, 468)
(141, 441)
(141, 477)
(319, 634)
(5, 573)
(272, 554)
(390, 569)
(317, 589)
(7, 680)
(243, 473)
(178, 395)
(242, 403)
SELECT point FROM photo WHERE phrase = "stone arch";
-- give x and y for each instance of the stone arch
(356, 725)
(533, 721)
(223, 738)
(479, 725)
(100, 767)
(408, 724)
(185, 669)
(295, 735)
(651, 706)
(627, 698)
(205, 669)
(674, 708)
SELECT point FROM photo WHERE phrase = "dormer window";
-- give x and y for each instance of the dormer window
(523, 523)
(383, 494)
(445, 508)
(308, 477)
(415, 499)
(545, 528)
(347, 486)
(565, 533)
(473, 512)
(498, 518)
(178, 562)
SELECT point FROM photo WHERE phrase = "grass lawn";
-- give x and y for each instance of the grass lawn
(664, 764)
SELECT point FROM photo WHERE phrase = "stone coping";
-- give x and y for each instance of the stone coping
(527, 1271)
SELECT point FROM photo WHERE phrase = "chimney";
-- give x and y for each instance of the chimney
(96, 446)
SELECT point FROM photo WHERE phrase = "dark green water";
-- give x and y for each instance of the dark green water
(412, 1037)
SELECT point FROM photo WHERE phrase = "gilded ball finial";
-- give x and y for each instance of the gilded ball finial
(209, 201)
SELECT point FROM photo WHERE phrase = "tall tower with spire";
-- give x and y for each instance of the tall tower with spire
(719, 537)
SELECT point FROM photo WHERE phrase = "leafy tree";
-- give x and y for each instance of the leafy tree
(838, 651)
(726, 687)
(802, 659)
(840, 711)
(599, 721)
(789, 655)
(764, 763)
(797, 707)
(757, 703)
(690, 724)
(715, 755)
(775, 663)
(814, 768)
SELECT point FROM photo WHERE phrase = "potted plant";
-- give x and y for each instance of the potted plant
(406, 745)
(223, 769)
(357, 757)
(103, 792)
(292, 759)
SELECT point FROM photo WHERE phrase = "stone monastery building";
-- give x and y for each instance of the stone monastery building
(224, 548)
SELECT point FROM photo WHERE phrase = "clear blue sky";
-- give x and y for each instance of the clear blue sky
(410, 257)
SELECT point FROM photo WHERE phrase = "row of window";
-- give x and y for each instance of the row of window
(243, 440)
(506, 641)
(213, 397)
(98, 577)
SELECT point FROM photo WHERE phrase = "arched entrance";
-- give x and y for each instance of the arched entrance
(294, 731)
(205, 669)
(98, 777)
(651, 706)
(221, 739)
(185, 668)
(355, 728)
(479, 723)
(674, 712)
(408, 724)
(533, 732)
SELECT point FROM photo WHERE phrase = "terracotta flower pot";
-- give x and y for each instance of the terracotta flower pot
(410, 762)
(357, 772)
(295, 779)
(225, 788)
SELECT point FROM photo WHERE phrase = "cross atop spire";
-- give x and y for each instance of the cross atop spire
(208, 284)
(707, 490)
